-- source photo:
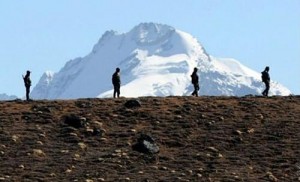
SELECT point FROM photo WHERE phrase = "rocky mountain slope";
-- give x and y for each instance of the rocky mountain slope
(199, 139)
(155, 60)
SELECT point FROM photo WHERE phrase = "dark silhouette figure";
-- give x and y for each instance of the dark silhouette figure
(266, 79)
(27, 83)
(195, 82)
(116, 81)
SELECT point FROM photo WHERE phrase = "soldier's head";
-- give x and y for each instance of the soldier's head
(267, 68)
(117, 70)
(195, 69)
(28, 72)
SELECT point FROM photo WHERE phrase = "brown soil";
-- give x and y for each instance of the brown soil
(200, 139)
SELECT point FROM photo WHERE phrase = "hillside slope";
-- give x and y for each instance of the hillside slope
(200, 139)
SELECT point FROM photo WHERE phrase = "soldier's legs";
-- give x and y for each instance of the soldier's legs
(27, 93)
(116, 91)
(196, 89)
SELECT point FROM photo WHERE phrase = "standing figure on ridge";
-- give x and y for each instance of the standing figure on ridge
(27, 83)
(266, 79)
(195, 82)
(116, 81)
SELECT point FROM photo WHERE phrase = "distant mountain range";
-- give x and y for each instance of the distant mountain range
(7, 97)
(155, 60)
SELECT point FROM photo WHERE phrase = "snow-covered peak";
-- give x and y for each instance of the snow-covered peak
(155, 60)
(150, 33)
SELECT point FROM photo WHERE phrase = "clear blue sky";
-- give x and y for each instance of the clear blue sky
(44, 35)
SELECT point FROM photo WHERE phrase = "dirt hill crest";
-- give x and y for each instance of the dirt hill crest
(199, 139)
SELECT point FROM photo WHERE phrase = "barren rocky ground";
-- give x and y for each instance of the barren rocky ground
(199, 139)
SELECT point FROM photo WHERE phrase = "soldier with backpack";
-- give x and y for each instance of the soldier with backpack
(27, 83)
(266, 79)
(195, 82)
(116, 81)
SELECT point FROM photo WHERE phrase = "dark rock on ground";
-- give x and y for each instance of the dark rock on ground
(74, 121)
(132, 103)
(146, 144)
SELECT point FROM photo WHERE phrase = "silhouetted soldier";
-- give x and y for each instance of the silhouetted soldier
(116, 81)
(195, 82)
(27, 83)
(266, 79)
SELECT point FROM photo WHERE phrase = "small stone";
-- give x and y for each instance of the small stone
(220, 155)
(21, 166)
(133, 130)
(118, 151)
(271, 177)
(73, 134)
(52, 174)
(173, 171)
(178, 117)
(260, 116)
(64, 151)
(164, 168)
(154, 167)
(199, 175)
(38, 153)
(3, 146)
(38, 127)
(238, 132)
(39, 142)
(141, 172)
(250, 130)
(2, 179)
(15, 138)
(101, 179)
(83, 119)
(82, 145)
(89, 130)
(2, 153)
(99, 124)
(213, 149)
(103, 139)
(68, 171)
(42, 135)
(76, 155)
(89, 180)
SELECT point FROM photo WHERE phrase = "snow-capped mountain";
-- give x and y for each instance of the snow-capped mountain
(7, 97)
(155, 60)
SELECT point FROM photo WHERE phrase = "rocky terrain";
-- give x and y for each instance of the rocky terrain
(199, 139)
